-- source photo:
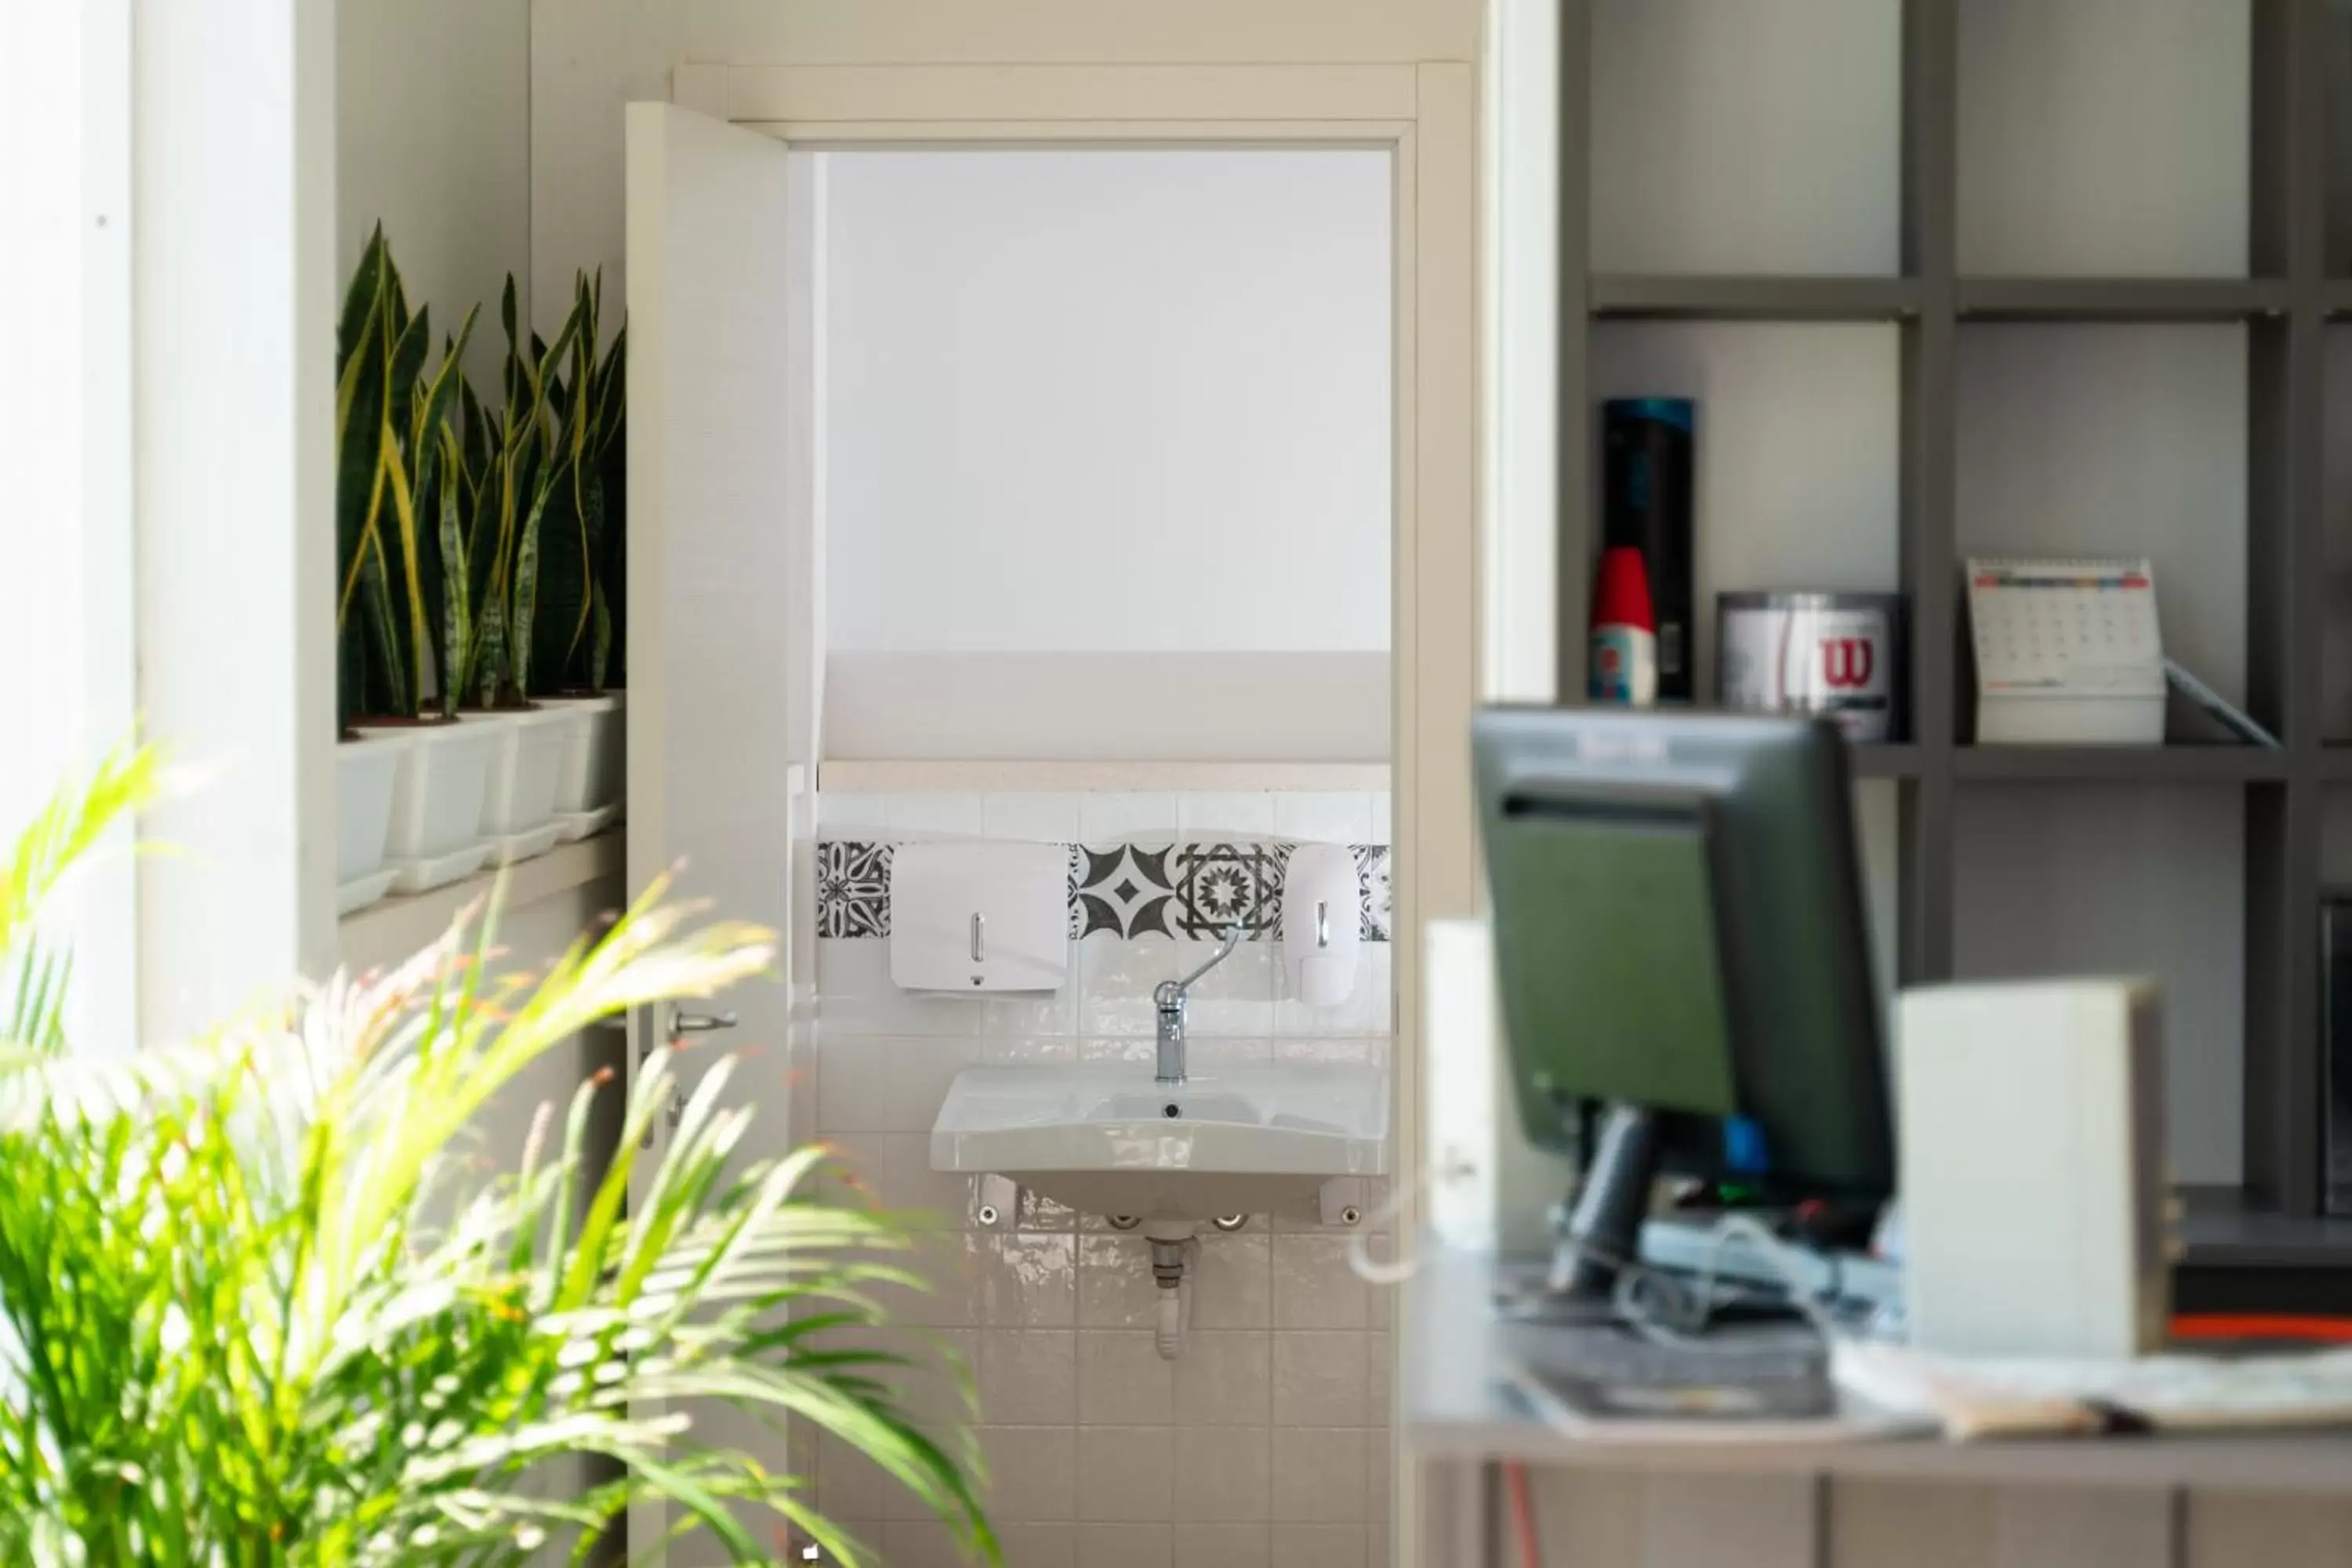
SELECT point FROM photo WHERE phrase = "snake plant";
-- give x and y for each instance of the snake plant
(393, 480)
(260, 1307)
(570, 611)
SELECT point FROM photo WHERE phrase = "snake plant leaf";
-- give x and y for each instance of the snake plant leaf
(565, 586)
(404, 539)
(536, 450)
(434, 451)
(613, 562)
(359, 412)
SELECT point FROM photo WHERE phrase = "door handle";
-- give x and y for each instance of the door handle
(682, 1021)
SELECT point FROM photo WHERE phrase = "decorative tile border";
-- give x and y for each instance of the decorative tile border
(1126, 890)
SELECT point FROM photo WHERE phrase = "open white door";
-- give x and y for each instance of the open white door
(709, 560)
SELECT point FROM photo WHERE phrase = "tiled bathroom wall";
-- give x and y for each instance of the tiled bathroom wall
(1267, 1442)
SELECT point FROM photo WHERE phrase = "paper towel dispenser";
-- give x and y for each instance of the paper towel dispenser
(980, 916)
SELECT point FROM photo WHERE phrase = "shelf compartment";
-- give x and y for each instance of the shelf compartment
(2102, 137)
(2120, 299)
(1763, 136)
(2124, 876)
(2120, 764)
(1669, 297)
(1798, 451)
(2107, 440)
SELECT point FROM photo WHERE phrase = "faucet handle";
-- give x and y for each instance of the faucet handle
(1170, 995)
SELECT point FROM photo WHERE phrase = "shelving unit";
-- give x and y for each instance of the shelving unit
(2096, 332)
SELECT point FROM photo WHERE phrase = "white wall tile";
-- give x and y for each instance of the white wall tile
(1318, 1478)
(1380, 1370)
(1352, 1050)
(1233, 1285)
(1116, 1289)
(1320, 1545)
(872, 1083)
(1236, 999)
(1037, 1545)
(919, 1544)
(1123, 1380)
(841, 814)
(1033, 1473)
(1383, 830)
(1116, 978)
(940, 814)
(1225, 1377)
(1028, 1280)
(1109, 818)
(1221, 1473)
(849, 1484)
(1043, 818)
(996, 1052)
(1234, 815)
(942, 1199)
(949, 1263)
(1228, 1051)
(1222, 1545)
(1324, 817)
(1319, 1378)
(1314, 1288)
(1125, 1546)
(1033, 1014)
(1028, 1377)
(1126, 1474)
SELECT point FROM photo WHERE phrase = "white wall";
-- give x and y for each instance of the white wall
(432, 139)
(1117, 401)
(588, 60)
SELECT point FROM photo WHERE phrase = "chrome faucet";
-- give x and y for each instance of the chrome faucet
(1172, 996)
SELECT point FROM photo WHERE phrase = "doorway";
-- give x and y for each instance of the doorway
(1105, 503)
(712, 455)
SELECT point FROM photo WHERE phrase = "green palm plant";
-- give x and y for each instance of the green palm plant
(254, 1311)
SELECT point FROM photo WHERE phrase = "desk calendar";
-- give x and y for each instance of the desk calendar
(2067, 652)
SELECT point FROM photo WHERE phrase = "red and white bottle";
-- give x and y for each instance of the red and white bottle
(1624, 665)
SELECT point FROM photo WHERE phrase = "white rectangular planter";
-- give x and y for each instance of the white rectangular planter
(519, 800)
(595, 753)
(367, 770)
(437, 801)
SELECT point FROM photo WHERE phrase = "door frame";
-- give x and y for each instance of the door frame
(1425, 115)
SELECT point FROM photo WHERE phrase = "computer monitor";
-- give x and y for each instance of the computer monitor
(1679, 938)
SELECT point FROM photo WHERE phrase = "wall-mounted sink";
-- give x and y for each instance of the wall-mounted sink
(1107, 1140)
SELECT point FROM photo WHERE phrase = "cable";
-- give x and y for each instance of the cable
(1371, 1270)
(1523, 1513)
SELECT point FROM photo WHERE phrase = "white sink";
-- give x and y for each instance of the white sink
(1107, 1140)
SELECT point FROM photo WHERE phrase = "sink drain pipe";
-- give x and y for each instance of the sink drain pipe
(1171, 1260)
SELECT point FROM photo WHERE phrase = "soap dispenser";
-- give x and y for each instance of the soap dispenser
(1322, 923)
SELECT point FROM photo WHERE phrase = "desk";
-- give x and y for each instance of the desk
(1606, 1502)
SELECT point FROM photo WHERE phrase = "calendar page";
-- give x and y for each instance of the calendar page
(2065, 627)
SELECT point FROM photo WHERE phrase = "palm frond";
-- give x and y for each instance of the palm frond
(259, 1306)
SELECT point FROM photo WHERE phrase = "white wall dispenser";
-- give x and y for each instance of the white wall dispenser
(980, 916)
(1322, 923)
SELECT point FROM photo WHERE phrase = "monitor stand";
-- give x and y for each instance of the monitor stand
(1599, 1229)
(1590, 1359)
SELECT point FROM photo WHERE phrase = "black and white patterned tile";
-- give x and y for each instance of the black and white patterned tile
(852, 888)
(1125, 890)
(1376, 889)
(1220, 886)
